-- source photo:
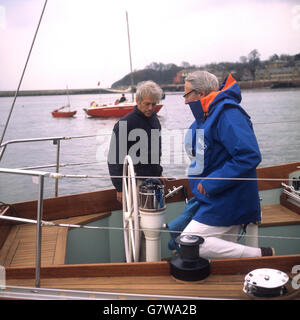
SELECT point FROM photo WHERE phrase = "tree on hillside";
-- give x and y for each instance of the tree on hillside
(253, 61)
(158, 72)
(274, 57)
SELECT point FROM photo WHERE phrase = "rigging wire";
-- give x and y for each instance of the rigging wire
(23, 73)
(276, 122)
(66, 225)
(58, 176)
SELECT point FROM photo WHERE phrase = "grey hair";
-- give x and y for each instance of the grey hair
(203, 80)
(148, 88)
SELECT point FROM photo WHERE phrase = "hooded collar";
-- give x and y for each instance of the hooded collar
(229, 89)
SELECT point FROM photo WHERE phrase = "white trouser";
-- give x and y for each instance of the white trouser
(220, 242)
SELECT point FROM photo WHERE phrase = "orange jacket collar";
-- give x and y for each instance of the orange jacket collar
(207, 100)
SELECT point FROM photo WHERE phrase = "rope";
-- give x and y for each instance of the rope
(65, 225)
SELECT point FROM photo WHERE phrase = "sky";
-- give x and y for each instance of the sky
(82, 42)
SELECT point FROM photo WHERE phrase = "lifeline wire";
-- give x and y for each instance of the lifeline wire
(65, 225)
(58, 176)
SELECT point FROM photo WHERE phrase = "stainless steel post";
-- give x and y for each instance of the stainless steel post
(57, 142)
(39, 232)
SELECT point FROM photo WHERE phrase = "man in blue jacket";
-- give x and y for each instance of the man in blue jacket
(224, 155)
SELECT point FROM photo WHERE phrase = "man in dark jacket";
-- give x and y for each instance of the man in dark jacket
(138, 135)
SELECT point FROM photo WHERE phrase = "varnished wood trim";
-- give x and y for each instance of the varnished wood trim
(245, 265)
(71, 205)
(221, 266)
(275, 172)
(61, 246)
(105, 200)
(92, 270)
(85, 203)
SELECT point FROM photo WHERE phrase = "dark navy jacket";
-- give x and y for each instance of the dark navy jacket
(229, 150)
(139, 136)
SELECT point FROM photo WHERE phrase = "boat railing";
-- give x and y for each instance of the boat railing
(41, 176)
(56, 141)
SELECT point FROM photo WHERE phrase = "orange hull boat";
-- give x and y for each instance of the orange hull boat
(114, 110)
(63, 114)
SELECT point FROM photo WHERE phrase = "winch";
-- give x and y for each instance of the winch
(266, 283)
(152, 215)
(189, 266)
(152, 195)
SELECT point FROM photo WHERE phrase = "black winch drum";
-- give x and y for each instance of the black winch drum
(189, 266)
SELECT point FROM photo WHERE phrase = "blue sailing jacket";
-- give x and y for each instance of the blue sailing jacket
(221, 144)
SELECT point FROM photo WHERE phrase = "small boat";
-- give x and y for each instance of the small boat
(58, 113)
(111, 110)
(63, 114)
(118, 109)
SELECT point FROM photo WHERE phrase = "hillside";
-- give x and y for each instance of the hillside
(161, 75)
(278, 68)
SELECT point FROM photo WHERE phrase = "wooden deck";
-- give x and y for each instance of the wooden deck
(227, 287)
(278, 215)
(19, 248)
(153, 278)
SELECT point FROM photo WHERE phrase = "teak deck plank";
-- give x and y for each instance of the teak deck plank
(226, 287)
(214, 286)
(275, 215)
(19, 248)
(153, 278)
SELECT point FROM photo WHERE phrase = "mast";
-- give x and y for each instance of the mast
(131, 74)
(67, 91)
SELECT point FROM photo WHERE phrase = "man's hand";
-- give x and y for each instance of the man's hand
(119, 196)
(201, 189)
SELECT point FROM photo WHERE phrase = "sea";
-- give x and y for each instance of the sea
(275, 114)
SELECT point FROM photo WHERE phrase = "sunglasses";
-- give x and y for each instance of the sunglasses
(186, 94)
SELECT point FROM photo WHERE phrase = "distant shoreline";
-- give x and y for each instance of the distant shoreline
(168, 87)
(25, 93)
